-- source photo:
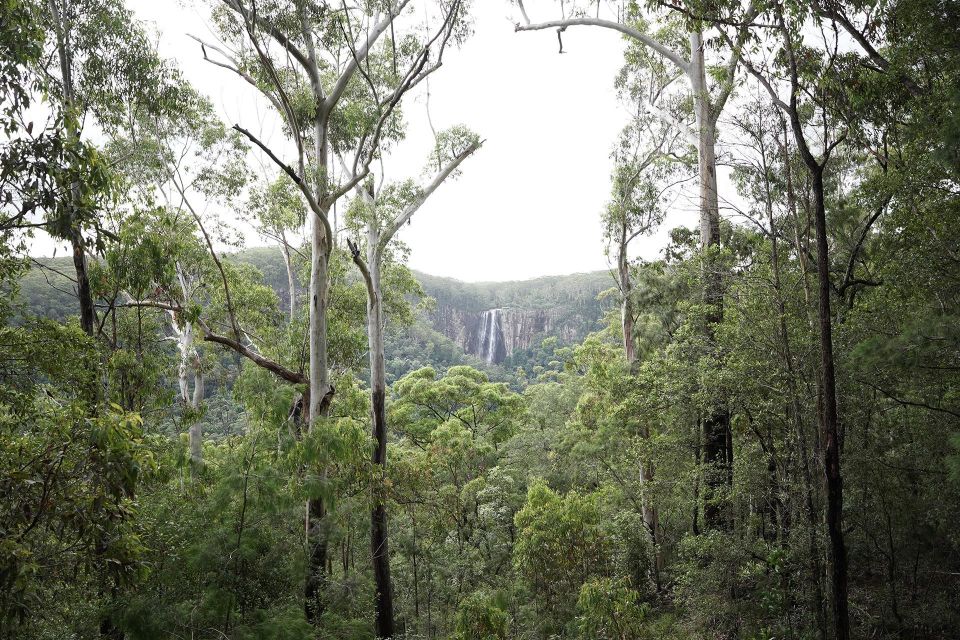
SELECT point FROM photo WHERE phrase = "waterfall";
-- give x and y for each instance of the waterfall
(490, 345)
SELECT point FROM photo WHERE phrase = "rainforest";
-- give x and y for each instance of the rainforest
(262, 376)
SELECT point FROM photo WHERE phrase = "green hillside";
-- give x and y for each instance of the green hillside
(574, 291)
(46, 290)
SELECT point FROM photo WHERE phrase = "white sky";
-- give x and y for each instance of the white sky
(529, 202)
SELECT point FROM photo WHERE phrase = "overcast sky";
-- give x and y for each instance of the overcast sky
(528, 203)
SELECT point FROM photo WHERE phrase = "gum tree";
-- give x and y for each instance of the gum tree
(642, 185)
(688, 61)
(383, 213)
(318, 66)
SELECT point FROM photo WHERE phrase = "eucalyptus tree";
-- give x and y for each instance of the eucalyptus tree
(279, 209)
(808, 74)
(176, 152)
(642, 185)
(170, 152)
(336, 80)
(384, 211)
(96, 59)
(688, 61)
(159, 262)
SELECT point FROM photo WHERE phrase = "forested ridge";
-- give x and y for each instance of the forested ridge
(753, 433)
(46, 288)
(576, 303)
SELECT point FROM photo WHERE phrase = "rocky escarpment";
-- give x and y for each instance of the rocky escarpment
(490, 320)
(493, 335)
(494, 321)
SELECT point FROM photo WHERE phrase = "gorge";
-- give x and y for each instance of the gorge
(498, 321)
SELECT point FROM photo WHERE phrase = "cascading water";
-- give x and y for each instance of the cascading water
(490, 345)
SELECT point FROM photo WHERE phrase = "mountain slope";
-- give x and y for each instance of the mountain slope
(500, 322)
(483, 323)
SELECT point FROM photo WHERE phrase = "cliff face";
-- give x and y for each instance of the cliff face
(493, 321)
(469, 314)
(494, 335)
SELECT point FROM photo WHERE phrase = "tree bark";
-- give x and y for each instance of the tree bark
(829, 415)
(65, 56)
(320, 388)
(827, 387)
(291, 278)
(379, 535)
(190, 362)
(196, 429)
(379, 538)
(88, 317)
(830, 420)
(717, 437)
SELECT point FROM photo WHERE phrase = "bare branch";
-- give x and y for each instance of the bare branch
(359, 55)
(235, 68)
(265, 363)
(304, 189)
(668, 53)
(412, 208)
(361, 265)
(277, 35)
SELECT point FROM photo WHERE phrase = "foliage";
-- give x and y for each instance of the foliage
(519, 497)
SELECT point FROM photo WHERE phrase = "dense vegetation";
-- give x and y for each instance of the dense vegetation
(763, 443)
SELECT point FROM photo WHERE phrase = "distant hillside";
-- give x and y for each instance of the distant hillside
(578, 290)
(491, 323)
(504, 322)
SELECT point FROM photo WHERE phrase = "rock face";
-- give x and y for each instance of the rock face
(496, 320)
(493, 335)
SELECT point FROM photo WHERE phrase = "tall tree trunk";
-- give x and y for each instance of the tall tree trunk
(379, 536)
(190, 362)
(65, 55)
(650, 516)
(321, 390)
(88, 316)
(827, 387)
(196, 429)
(291, 278)
(813, 548)
(830, 418)
(706, 156)
(717, 438)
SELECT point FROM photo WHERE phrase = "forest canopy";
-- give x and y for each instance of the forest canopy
(234, 411)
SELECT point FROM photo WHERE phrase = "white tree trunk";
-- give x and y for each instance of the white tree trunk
(190, 364)
(320, 391)
(379, 538)
(706, 144)
(320, 250)
(196, 430)
(291, 278)
(718, 450)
